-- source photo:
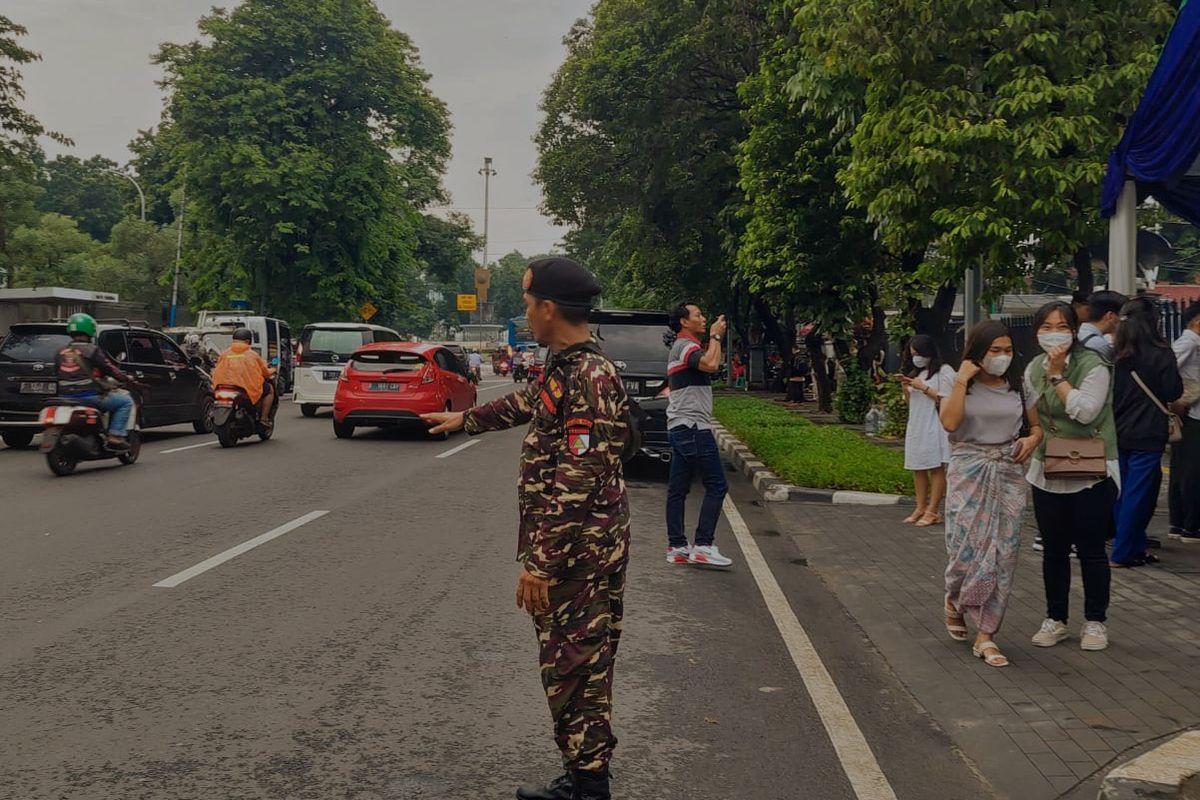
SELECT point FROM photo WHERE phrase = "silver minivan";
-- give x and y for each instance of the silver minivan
(322, 353)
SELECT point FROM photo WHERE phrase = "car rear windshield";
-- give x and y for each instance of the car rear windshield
(327, 341)
(388, 361)
(33, 344)
(624, 342)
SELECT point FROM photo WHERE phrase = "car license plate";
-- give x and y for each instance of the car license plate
(633, 387)
(38, 387)
(384, 387)
(331, 375)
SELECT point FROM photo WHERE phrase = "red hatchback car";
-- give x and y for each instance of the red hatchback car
(391, 383)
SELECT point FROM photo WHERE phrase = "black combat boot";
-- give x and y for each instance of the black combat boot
(591, 786)
(561, 788)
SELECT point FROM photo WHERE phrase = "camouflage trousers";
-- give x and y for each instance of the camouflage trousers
(578, 637)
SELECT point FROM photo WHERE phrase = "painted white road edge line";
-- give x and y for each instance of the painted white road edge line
(189, 447)
(234, 552)
(863, 771)
(458, 449)
(497, 386)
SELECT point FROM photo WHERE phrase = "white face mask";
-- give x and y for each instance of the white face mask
(997, 365)
(1049, 341)
(921, 362)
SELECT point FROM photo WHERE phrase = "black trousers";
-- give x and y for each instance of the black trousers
(1083, 519)
(1184, 492)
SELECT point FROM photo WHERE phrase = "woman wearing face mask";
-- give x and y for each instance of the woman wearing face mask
(1071, 384)
(985, 410)
(926, 447)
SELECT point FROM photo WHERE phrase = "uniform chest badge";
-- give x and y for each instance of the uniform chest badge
(579, 443)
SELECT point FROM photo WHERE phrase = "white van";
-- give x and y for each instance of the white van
(272, 338)
(324, 349)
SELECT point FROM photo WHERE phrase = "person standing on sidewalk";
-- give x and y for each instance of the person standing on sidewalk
(1073, 499)
(926, 447)
(573, 541)
(690, 367)
(1145, 380)
(1184, 490)
(1103, 310)
(985, 408)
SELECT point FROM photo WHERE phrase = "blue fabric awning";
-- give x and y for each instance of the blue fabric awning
(1162, 141)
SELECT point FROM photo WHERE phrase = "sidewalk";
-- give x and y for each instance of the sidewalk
(1054, 722)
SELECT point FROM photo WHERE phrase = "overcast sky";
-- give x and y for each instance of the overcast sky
(490, 61)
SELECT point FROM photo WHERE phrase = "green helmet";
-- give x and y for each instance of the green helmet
(82, 323)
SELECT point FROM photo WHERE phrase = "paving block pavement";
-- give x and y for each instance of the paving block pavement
(1057, 720)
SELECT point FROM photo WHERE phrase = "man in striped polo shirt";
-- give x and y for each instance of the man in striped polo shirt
(693, 448)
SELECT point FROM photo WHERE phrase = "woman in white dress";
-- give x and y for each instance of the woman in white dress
(926, 444)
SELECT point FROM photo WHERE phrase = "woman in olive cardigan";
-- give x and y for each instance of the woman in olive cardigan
(1074, 400)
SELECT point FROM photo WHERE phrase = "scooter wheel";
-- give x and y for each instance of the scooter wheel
(225, 436)
(60, 463)
(135, 448)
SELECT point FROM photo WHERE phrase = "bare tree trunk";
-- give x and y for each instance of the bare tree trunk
(877, 342)
(1082, 261)
(772, 327)
(933, 320)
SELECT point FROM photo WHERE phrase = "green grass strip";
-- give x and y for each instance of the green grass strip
(811, 455)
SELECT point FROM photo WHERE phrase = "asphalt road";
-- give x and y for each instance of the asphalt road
(376, 651)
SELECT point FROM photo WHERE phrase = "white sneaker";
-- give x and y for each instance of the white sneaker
(679, 555)
(708, 556)
(1051, 633)
(1094, 636)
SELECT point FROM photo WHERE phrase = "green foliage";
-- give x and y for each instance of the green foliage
(52, 252)
(854, 395)
(18, 194)
(810, 455)
(18, 128)
(89, 192)
(889, 396)
(308, 141)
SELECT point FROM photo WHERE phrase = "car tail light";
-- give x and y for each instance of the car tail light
(344, 376)
(226, 394)
(299, 353)
(427, 374)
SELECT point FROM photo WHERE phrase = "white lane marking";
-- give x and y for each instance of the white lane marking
(497, 386)
(189, 447)
(458, 449)
(858, 762)
(234, 552)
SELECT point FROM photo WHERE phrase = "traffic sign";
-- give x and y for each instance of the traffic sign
(368, 310)
(468, 302)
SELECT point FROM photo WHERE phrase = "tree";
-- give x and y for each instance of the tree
(156, 168)
(142, 260)
(52, 252)
(18, 128)
(980, 129)
(88, 191)
(18, 195)
(308, 141)
(508, 292)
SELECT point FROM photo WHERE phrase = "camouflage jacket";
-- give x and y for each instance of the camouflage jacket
(571, 491)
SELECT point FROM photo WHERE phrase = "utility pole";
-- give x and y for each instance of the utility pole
(178, 251)
(487, 172)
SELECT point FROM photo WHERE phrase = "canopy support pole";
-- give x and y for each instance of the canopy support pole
(1122, 243)
(972, 289)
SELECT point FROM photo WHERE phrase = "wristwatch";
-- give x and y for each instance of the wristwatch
(717, 336)
(1055, 380)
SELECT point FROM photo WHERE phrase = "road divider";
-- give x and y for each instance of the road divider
(189, 447)
(858, 762)
(234, 552)
(459, 449)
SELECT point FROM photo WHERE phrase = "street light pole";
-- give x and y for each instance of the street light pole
(178, 251)
(487, 172)
(141, 194)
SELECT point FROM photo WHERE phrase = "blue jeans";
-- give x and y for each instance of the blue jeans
(118, 404)
(692, 451)
(1141, 477)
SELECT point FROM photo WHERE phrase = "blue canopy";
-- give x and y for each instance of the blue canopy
(1162, 141)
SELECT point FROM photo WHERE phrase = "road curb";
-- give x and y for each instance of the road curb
(774, 489)
(1171, 770)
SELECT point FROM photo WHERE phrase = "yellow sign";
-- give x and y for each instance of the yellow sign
(468, 302)
(368, 310)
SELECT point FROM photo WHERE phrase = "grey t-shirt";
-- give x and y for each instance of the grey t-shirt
(691, 399)
(992, 413)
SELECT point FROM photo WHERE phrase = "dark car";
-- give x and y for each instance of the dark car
(179, 392)
(460, 353)
(638, 342)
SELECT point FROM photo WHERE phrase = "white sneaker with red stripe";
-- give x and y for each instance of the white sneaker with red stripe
(708, 556)
(679, 555)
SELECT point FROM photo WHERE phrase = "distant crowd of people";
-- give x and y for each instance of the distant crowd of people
(1086, 425)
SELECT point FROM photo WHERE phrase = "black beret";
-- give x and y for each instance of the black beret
(565, 282)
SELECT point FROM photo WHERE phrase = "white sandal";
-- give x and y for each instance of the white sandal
(989, 651)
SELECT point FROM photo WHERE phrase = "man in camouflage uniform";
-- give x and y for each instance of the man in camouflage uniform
(574, 531)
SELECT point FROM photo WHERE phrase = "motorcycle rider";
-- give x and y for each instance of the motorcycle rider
(86, 375)
(241, 366)
(475, 361)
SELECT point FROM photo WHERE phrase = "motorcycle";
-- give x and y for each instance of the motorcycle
(475, 374)
(235, 417)
(502, 367)
(533, 373)
(519, 371)
(72, 432)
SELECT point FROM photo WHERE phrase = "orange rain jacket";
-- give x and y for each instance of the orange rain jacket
(241, 366)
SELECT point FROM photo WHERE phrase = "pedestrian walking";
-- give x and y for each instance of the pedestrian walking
(1145, 380)
(926, 445)
(1103, 310)
(993, 429)
(574, 532)
(1075, 473)
(1184, 489)
(690, 367)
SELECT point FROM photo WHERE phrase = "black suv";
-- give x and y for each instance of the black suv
(179, 391)
(638, 342)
